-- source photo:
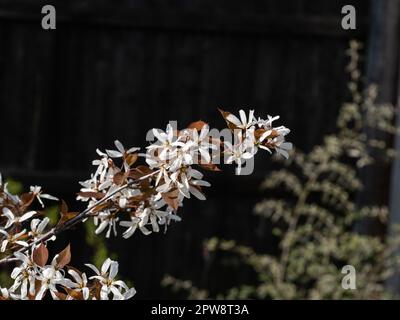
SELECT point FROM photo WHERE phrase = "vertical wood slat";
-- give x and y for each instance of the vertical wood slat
(381, 70)
(394, 282)
(393, 35)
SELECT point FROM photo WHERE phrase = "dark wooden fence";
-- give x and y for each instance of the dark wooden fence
(114, 69)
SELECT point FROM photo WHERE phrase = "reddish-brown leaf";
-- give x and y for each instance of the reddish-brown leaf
(131, 158)
(96, 289)
(259, 132)
(64, 207)
(101, 207)
(96, 195)
(40, 255)
(76, 295)
(66, 217)
(171, 198)
(140, 171)
(27, 199)
(120, 178)
(145, 195)
(198, 125)
(210, 167)
(64, 257)
(274, 134)
(225, 115)
(61, 296)
(144, 184)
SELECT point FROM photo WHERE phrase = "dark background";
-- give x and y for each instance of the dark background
(115, 69)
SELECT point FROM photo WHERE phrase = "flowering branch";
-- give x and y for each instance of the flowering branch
(70, 223)
(148, 195)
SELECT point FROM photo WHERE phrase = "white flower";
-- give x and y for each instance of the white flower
(50, 277)
(181, 157)
(6, 195)
(132, 225)
(37, 191)
(249, 140)
(80, 284)
(120, 152)
(168, 217)
(102, 164)
(7, 294)
(91, 185)
(165, 141)
(267, 124)
(4, 291)
(107, 220)
(12, 219)
(164, 151)
(244, 122)
(24, 276)
(237, 154)
(129, 294)
(185, 181)
(282, 147)
(201, 142)
(11, 239)
(102, 181)
(157, 163)
(276, 140)
(282, 130)
(148, 213)
(109, 285)
(37, 227)
(122, 201)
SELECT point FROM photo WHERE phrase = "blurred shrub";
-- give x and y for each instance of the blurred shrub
(315, 218)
